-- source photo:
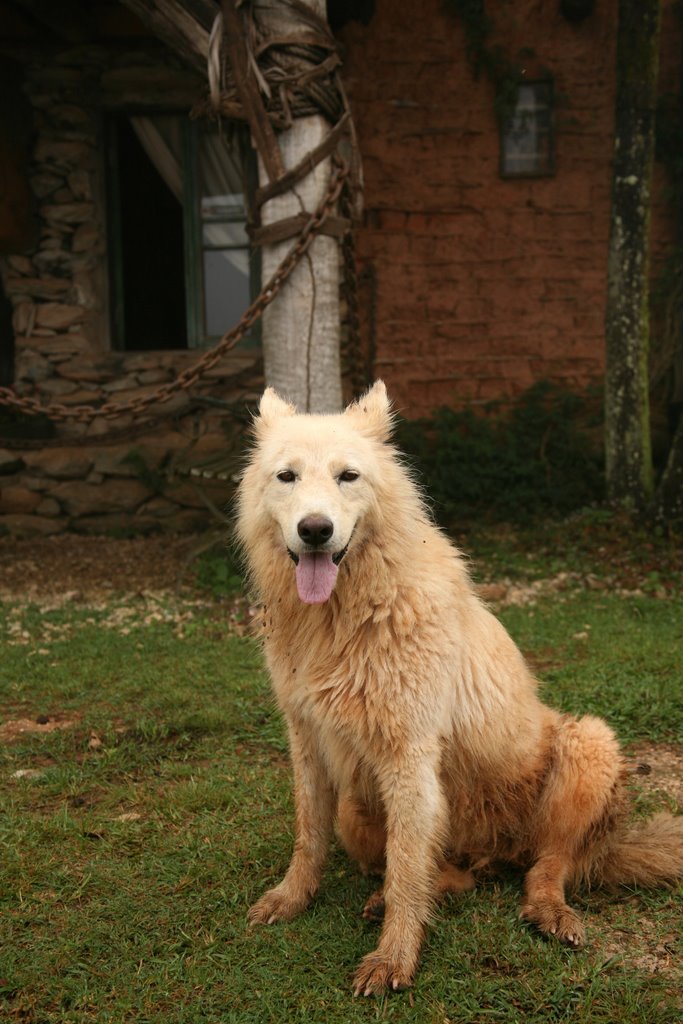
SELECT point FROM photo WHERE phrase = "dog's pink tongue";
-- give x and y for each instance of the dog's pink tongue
(316, 575)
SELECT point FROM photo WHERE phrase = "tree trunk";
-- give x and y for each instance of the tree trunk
(627, 415)
(669, 501)
(301, 330)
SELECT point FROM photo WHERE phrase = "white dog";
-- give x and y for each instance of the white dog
(414, 722)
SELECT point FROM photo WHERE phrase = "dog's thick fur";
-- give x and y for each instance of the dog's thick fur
(414, 723)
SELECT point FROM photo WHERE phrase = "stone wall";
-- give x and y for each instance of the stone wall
(59, 294)
(485, 285)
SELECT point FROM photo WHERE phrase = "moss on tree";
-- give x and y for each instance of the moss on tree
(627, 416)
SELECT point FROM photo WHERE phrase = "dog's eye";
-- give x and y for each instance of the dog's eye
(287, 476)
(348, 476)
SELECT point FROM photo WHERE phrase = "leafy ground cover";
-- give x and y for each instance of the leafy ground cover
(146, 795)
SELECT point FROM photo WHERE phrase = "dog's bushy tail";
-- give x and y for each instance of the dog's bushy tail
(647, 853)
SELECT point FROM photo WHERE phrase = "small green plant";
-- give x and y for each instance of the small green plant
(218, 571)
(536, 459)
(152, 478)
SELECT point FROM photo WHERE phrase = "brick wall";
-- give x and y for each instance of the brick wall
(485, 285)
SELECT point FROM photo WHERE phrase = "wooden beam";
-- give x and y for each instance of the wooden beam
(248, 92)
(203, 11)
(184, 26)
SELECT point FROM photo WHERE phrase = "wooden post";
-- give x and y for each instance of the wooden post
(301, 330)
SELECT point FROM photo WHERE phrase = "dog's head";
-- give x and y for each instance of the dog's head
(311, 484)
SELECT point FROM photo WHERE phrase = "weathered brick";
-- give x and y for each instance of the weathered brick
(466, 262)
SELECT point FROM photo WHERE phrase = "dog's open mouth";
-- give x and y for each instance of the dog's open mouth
(316, 574)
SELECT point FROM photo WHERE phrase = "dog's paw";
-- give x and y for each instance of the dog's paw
(559, 922)
(376, 974)
(374, 908)
(275, 905)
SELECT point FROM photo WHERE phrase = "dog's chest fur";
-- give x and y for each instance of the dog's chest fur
(363, 672)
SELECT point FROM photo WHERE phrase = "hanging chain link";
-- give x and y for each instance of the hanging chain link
(356, 367)
(190, 376)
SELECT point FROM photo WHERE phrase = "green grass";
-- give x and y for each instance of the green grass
(610, 656)
(127, 864)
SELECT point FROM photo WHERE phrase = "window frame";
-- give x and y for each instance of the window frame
(197, 335)
(112, 190)
(193, 246)
(506, 127)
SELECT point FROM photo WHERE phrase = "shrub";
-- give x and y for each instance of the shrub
(538, 458)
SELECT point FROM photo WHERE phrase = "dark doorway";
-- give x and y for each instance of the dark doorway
(146, 229)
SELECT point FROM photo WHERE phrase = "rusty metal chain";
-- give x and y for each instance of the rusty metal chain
(353, 350)
(190, 376)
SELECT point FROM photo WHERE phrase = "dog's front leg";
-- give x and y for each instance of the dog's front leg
(416, 814)
(314, 805)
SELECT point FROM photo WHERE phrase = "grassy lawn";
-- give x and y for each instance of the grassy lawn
(146, 803)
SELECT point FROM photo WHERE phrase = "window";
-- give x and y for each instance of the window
(181, 272)
(218, 170)
(527, 142)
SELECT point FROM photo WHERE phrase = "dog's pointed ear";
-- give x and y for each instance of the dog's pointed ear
(372, 412)
(272, 407)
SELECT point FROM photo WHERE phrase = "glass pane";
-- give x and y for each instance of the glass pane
(221, 175)
(222, 229)
(527, 136)
(226, 289)
(223, 235)
(223, 207)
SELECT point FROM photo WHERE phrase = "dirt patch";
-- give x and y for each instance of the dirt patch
(646, 945)
(508, 592)
(635, 939)
(664, 771)
(71, 567)
(17, 728)
(505, 592)
(604, 551)
(658, 957)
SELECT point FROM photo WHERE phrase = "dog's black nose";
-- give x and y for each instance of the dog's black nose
(315, 530)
